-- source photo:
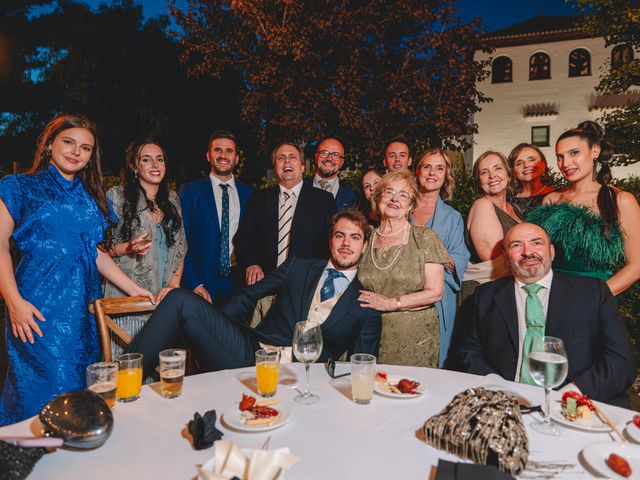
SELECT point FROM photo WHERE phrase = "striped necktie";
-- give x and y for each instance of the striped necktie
(284, 227)
(534, 316)
(225, 265)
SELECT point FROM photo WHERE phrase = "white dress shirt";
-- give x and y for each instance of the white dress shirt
(295, 191)
(521, 307)
(234, 205)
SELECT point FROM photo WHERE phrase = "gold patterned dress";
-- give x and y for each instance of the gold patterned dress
(409, 337)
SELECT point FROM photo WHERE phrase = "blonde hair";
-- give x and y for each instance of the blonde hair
(391, 177)
(449, 185)
(505, 164)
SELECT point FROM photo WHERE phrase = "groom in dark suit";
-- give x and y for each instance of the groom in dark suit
(537, 301)
(324, 292)
(212, 209)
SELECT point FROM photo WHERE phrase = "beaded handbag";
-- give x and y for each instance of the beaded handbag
(483, 426)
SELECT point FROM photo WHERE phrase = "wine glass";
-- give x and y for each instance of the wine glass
(548, 367)
(307, 346)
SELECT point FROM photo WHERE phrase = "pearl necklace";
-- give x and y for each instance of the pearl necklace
(392, 234)
(395, 257)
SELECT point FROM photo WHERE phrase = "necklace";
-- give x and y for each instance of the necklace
(392, 234)
(395, 257)
(536, 192)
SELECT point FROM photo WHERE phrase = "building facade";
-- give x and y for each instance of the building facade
(543, 77)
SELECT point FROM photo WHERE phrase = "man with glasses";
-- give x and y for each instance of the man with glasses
(397, 155)
(291, 218)
(212, 208)
(329, 159)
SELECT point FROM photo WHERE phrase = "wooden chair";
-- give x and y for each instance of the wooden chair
(103, 307)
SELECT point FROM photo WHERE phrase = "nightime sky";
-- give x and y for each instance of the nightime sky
(496, 13)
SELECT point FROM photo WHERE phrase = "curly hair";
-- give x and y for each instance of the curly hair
(133, 191)
(90, 175)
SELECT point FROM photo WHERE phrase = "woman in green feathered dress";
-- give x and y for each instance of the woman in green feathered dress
(595, 227)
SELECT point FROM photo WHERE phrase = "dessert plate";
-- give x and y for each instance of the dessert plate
(379, 389)
(232, 417)
(593, 425)
(596, 454)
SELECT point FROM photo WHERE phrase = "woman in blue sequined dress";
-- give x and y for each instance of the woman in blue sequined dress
(57, 215)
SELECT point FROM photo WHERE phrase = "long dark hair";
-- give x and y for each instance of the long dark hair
(90, 176)
(132, 190)
(593, 134)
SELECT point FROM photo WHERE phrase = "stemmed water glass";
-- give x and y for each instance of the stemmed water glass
(548, 366)
(307, 346)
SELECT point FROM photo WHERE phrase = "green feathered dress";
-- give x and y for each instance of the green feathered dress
(578, 234)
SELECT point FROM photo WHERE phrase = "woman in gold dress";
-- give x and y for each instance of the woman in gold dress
(402, 270)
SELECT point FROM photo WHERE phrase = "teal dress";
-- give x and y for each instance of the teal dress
(578, 235)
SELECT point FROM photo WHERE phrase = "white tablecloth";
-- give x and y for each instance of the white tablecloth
(334, 438)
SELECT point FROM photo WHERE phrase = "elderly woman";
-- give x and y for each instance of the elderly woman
(369, 182)
(490, 217)
(437, 184)
(531, 179)
(150, 240)
(402, 270)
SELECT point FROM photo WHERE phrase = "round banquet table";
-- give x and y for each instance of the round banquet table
(334, 438)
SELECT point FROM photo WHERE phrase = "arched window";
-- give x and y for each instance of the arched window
(539, 66)
(621, 55)
(579, 63)
(501, 70)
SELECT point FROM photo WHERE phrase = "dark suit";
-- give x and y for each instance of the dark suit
(256, 242)
(582, 312)
(220, 341)
(345, 198)
(202, 227)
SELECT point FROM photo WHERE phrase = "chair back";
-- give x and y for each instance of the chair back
(103, 307)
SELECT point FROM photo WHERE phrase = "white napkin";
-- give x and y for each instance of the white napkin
(256, 465)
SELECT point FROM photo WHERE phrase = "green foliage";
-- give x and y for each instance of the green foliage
(360, 71)
(618, 21)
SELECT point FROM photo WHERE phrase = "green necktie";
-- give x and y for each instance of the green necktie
(534, 317)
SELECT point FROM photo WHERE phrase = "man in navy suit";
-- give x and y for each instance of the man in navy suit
(579, 310)
(212, 209)
(329, 159)
(324, 292)
(289, 219)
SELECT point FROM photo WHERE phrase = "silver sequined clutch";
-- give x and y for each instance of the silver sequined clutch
(483, 426)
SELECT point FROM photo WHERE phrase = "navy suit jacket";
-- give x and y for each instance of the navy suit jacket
(348, 328)
(345, 198)
(256, 242)
(202, 227)
(582, 312)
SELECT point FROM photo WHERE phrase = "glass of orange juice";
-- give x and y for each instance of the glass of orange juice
(129, 377)
(267, 371)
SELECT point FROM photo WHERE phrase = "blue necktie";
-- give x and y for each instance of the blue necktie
(225, 266)
(328, 290)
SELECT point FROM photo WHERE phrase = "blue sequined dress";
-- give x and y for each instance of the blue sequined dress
(57, 228)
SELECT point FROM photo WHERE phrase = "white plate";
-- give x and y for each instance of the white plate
(596, 454)
(232, 418)
(395, 378)
(210, 466)
(593, 425)
(633, 432)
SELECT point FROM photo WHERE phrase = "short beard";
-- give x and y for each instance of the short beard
(326, 173)
(217, 171)
(345, 266)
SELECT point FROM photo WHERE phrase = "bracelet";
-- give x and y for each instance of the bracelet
(398, 303)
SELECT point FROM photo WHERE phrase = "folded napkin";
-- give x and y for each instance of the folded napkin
(231, 462)
(203, 430)
(469, 471)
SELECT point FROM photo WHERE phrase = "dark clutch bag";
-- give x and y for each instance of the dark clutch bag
(81, 418)
(483, 426)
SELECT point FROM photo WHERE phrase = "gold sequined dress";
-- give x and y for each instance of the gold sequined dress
(408, 337)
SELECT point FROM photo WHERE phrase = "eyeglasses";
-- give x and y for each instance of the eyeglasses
(330, 367)
(392, 193)
(327, 153)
